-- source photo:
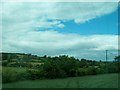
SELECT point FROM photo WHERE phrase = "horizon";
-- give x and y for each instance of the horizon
(57, 56)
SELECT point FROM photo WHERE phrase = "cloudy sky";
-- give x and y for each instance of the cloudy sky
(79, 29)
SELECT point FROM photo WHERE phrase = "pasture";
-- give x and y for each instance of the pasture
(92, 81)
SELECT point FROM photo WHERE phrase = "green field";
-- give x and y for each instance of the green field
(96, 81)
(17, 69)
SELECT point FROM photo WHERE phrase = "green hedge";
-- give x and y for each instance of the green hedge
(88, 71)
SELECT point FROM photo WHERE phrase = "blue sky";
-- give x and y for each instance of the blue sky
(106, 24)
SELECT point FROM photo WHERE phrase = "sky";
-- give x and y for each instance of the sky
(79, 29)
(107, 25)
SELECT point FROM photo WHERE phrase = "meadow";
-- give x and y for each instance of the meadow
(92, 81)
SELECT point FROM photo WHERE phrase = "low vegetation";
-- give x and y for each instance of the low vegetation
(17, 66)
(92, 81)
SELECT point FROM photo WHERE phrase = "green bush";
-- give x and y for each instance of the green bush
(35, 74)
(22, 76)
(55, 73)
(92, 70)
(81, 72)
(9, 75)
(4, 63)
(72, 73)
(87, 71)
(112, 68)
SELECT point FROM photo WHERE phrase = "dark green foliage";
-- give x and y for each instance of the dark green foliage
(53, 67)
(12, 75)
(92, 70)
(22, 56)
(60, 67)
(4, 63)
(9, 75)
(35, 74)
(88, 71)
(117, 58)
(81, 72)
(9, 56)
(112, 67)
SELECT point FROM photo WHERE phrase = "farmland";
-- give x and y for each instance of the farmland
(30, 71)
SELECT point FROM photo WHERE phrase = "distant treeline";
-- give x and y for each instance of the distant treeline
(53, 67)
(6, 56)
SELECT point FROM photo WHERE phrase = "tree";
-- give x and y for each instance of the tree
(117, 58)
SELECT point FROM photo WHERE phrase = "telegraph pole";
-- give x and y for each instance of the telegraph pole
(106, 59)
(106, 56)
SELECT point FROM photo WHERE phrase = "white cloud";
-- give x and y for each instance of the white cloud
(22, 20)
(37, 14)
(62, 0)
(54, 43)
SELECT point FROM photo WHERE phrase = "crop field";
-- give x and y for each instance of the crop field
(92, 81)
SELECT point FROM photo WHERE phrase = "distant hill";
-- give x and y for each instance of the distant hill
(7, 56)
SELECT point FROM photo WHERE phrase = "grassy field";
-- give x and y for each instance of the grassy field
(96, 81)
(17, 69)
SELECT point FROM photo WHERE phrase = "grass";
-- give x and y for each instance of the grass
(17, 69)
(96, 81)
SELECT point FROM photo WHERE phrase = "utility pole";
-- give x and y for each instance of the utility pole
(106, 60)
(106, 56)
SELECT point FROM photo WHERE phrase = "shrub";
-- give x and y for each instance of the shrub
(81, 72)
(112, 68)
(35, 74)
(92, 70)
(87, 71)
(72, 73)
(9, 75)
(22, 76)
(4, 63)
(55, 73)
